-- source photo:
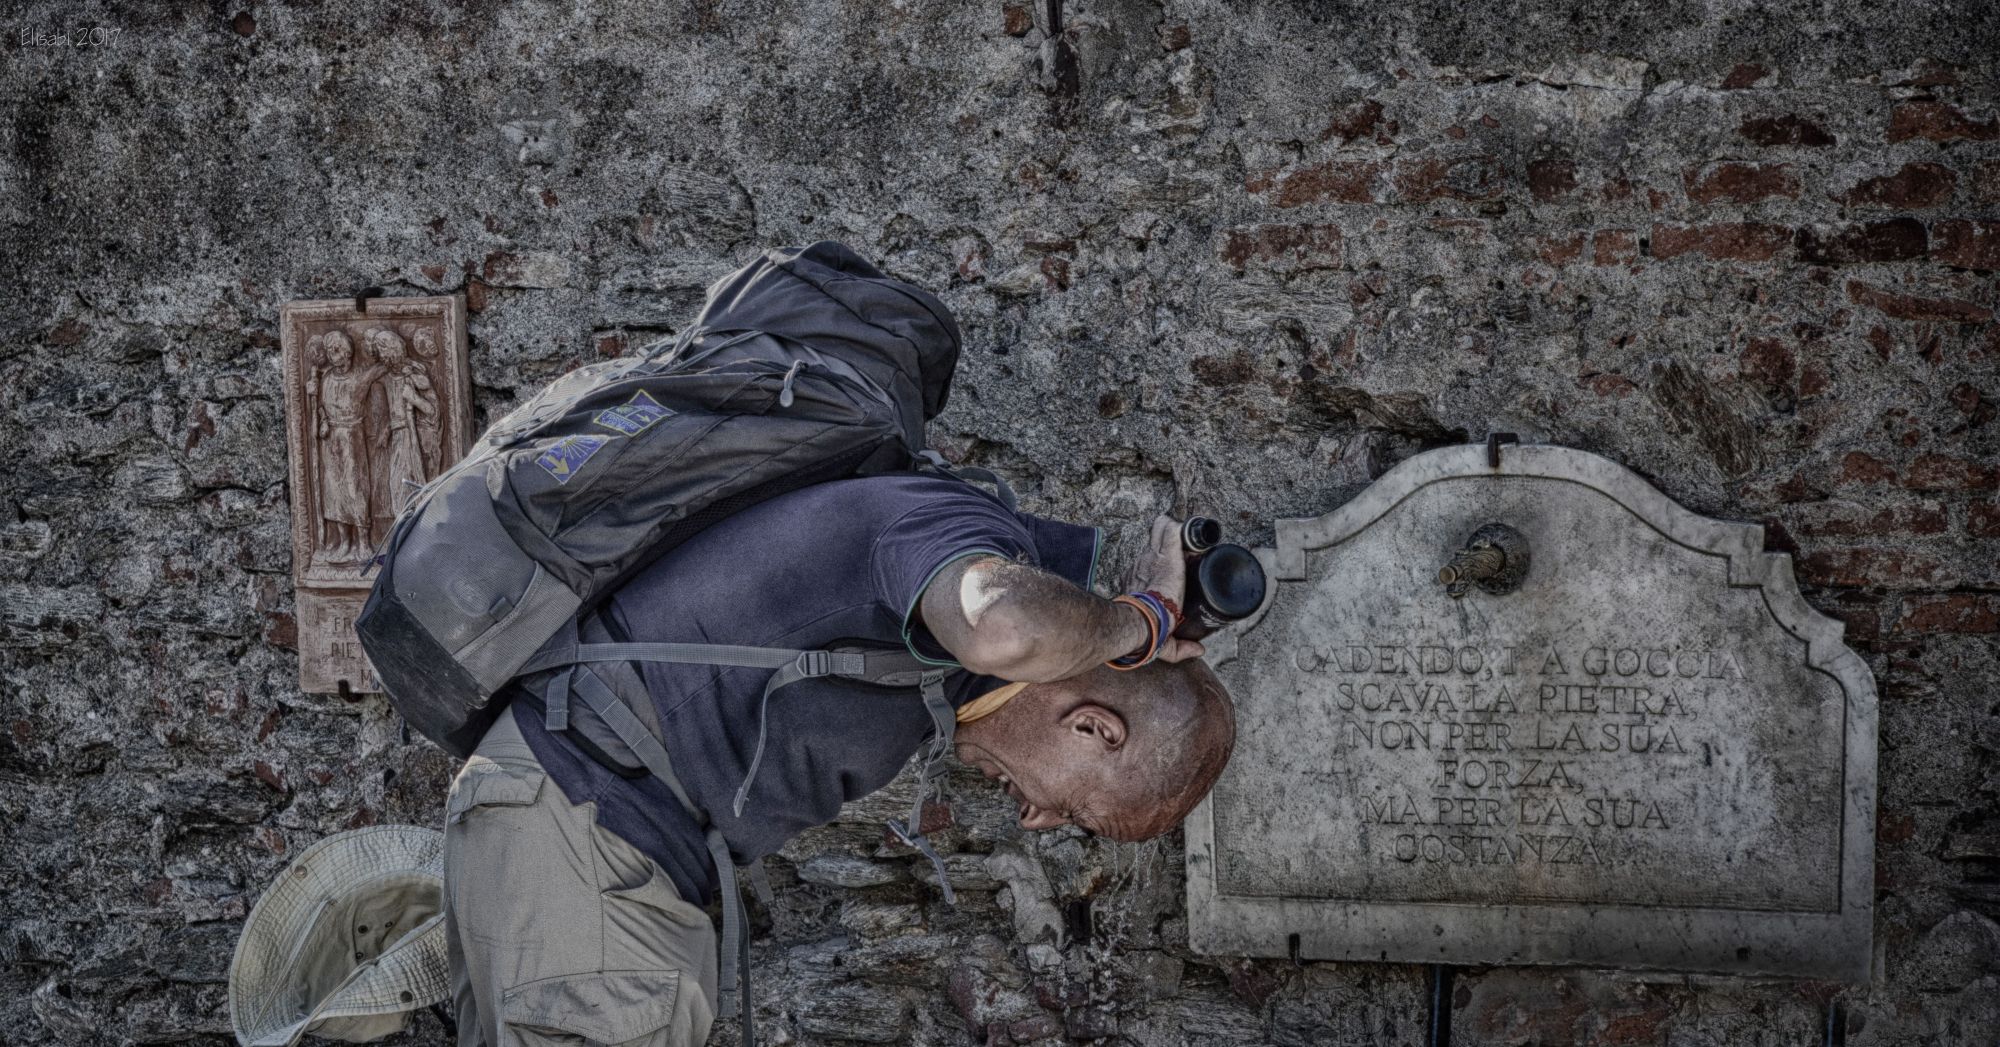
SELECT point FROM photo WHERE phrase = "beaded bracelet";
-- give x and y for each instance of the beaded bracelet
(1162, 618)
(1153, 631)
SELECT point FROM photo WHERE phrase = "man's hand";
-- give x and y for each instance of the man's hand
(1162, 567)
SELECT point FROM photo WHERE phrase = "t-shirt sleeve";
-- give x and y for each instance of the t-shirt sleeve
(910, 552)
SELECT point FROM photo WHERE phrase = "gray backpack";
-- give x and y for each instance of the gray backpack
(806, 365)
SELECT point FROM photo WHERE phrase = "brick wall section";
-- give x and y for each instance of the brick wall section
(1234, 258)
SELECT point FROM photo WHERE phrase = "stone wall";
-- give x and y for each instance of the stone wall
(1236, 258)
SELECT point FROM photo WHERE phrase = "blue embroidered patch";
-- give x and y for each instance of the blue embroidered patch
(563, 458)
(634, 416)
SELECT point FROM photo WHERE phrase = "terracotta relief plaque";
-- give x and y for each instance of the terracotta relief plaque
(376, 403)
(1538, 713)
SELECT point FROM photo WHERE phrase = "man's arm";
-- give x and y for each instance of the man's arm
(1018, 622)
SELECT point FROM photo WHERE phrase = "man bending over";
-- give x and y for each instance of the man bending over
(575, 883)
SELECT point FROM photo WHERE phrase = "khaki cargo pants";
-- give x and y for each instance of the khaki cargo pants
(562, 933)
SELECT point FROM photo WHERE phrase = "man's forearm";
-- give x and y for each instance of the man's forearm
(1021, 623)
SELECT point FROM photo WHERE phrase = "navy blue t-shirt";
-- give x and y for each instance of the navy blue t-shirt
(840, 561)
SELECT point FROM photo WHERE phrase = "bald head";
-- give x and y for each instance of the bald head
(1122, 754)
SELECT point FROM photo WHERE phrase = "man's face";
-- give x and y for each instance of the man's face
(1061, 769)
(1047, 792)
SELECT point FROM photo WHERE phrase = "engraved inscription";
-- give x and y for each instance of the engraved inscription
(1496, 749)
(1648, 753)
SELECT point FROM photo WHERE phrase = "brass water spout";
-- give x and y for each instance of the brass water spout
(1495, 559)
(1469, 566)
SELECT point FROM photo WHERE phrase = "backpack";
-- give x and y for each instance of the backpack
(807, 365)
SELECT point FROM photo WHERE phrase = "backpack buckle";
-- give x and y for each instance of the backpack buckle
(815, 663)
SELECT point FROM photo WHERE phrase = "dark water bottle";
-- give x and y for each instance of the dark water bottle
(1225, 583)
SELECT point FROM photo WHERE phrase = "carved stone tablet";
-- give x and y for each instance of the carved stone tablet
(1649, 753)
(376, 403)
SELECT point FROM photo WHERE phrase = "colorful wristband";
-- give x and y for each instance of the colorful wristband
(1162, 618)
(1155, 628)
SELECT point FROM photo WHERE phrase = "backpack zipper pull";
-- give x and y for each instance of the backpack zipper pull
(785, 390)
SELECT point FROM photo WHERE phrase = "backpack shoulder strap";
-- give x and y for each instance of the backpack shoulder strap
(930, 779)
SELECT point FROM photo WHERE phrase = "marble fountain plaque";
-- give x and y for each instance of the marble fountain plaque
(1645, 750)
(378, 400)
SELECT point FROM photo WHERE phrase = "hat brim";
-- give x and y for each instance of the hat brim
(268, 1008)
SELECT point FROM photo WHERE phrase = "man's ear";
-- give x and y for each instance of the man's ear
(1098, 722)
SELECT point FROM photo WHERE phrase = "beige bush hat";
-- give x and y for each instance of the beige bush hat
(348, 941)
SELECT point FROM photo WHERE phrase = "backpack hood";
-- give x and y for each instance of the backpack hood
(828, 296)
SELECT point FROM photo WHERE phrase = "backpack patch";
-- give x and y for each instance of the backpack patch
(634, 416)
(564, 458)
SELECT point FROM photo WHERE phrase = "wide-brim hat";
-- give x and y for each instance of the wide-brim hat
(348, 941)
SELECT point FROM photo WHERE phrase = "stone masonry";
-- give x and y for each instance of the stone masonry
(1227, 257)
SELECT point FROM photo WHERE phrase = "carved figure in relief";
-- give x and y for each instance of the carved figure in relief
(411, 433)
(338, 391)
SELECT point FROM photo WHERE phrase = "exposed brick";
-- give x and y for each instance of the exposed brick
(1360, 120)
(1729, 241)
(1609, 386)
(1895, 240)
(1939, 472)
(1016, 19)
(1913, 307)
(1739, 182)
(1744, 75)
(281, 630)
(1789, 129)
(1913, 187)
(1982, 519)
(1873, 566)
(1863, 615)
(1925, 72)
(1813, 380)
(1561, 249)
(1769, 362)
(1464, 178)
(1614, 247)
(1336, 181)
(1551, 179)
(268, 775)
(1284, 247)
(1968, 243)
(1882, 340)
(1986, 182)
(1950, 613)
(1847, 520)
(1860, 467)
(1939, 122)
(68, 333)
(1972, 402)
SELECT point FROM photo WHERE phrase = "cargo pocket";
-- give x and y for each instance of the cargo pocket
(656, 898)
(484, 783)
(495, 839)
(627, 1008)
